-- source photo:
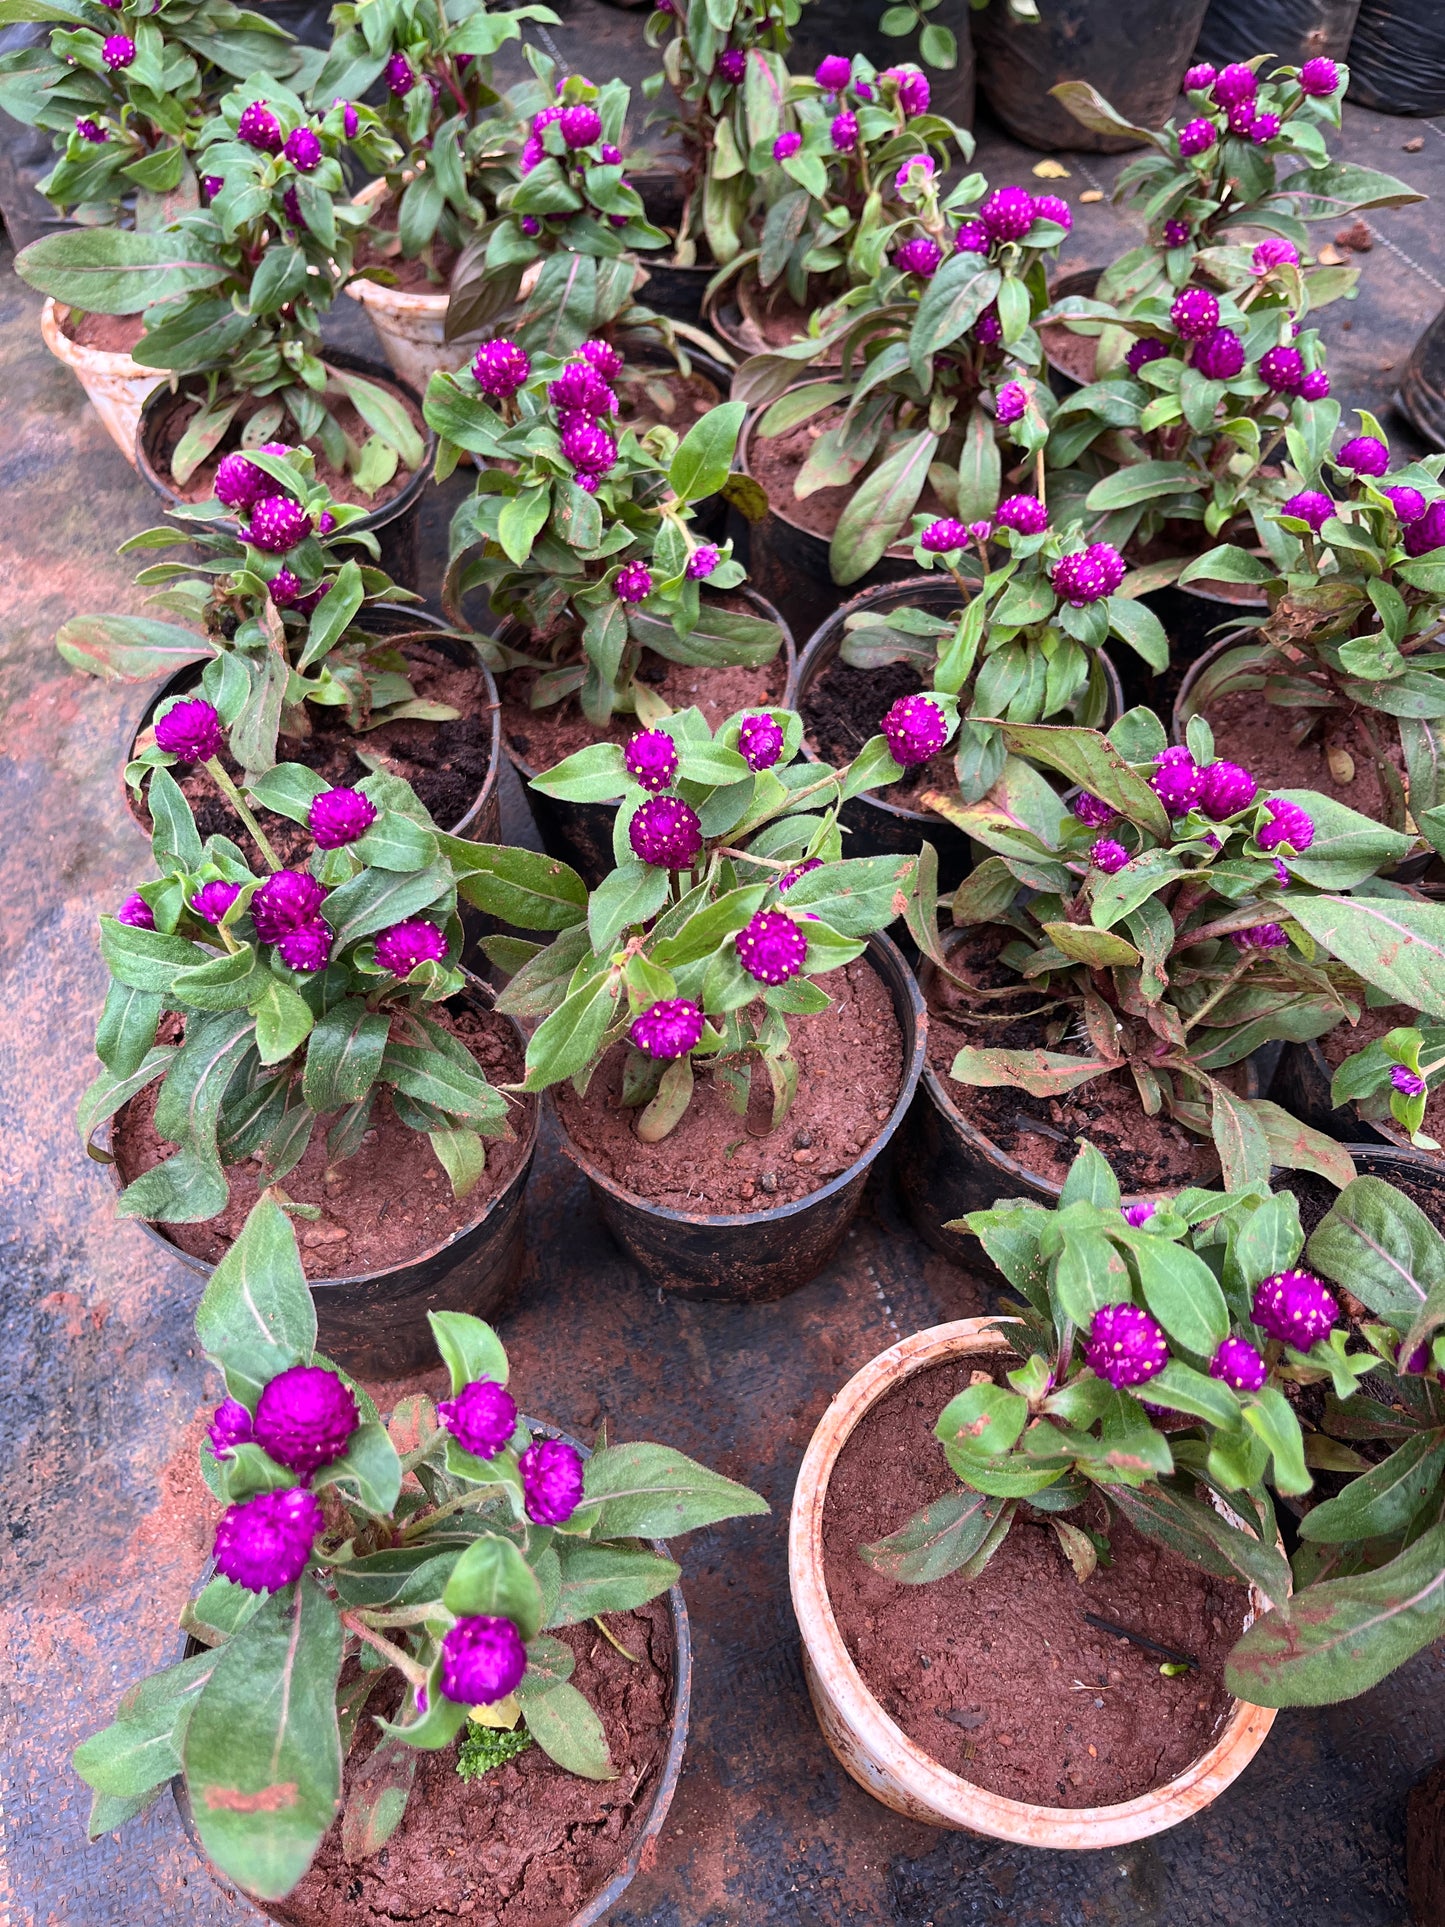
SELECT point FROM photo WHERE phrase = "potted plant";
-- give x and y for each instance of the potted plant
(1384, 1090)
(391, 1621)
(311, 1024)
(687, 1001)
(615, 609)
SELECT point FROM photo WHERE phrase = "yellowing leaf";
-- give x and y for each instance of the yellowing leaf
(1051, 171)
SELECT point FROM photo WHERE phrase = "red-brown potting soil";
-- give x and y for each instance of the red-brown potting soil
(111, 334)
(1073, 355)
(1346, 1039)
(843, 707)
(775, 461)
(527, 1845)
(850, 1071)
(386, 1205)
(769, 318)
(412, 276)
(999, 1679)
(646, 395)
(1250, 731)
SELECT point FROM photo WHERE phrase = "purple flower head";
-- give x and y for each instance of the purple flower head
(633, 583)
(1295, 1307)
(833, 73)
(500, 368)
(481, 1418)
(651, 760)
(1264, 127)
(916, 729)
(303, 150)
(307, 605)
(1126, 1346)
(731, 65)
(914, 93)
(972, 238)
(1239, 1365)
(1282, 369)
(1275, 253)
(611, 155)
(1225, 788)
(1176, 234)
(703, 560)
(398, 76)
(1233, 84)
(921, 255)
(980, 531)
(790, 877)
(844, 132)
(88, 130)
(760, 741)
(1024, 514)
(589, 447)
(1315, 385)
(1408, 503)
(308, 948)
(1010, 402)
(284, 589)
(1281, 874)
(1428, 533)
(580, 390)
(1197, 137)
(230, 1425)
(587, 483)
(263, 1543)
(136, 912)
(1311, 506)
(1261, 936)
(190, 731)
(1081, 578)
(1106, 557)
(943, 537)
(670, 1028)
(1108, 856)
(1407, 1082)
(1138, 1213)
(304, 1418)
(483, 1659)
(988, 329)
(1241, 117)
(1092, 810)
(277, 524)
(213, 900)
(258, 127)
(666, 832)
(350, 121)
(1144, 351)
(338, 817)
(1177, 781)
(532, 155)
(403, 946)
(1290, 827)
(1048, 207)
(1195, 313)
(117, 50)
(771, 947)
(1197, 78)
(1319, 77)
(603, 358)
(551, 1482)
(581, 125)
(1008, 213)
(917, 171)
(286, 901)
(787, 144)
(1220, 356)
(1365, 454)
(292, 205)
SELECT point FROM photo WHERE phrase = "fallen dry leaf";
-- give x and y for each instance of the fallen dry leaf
(1093, 194)
(1051, 171)
(1413, 146)
(1330, 257)
(1358, 238)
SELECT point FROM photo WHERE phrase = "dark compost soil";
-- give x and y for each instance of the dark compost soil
(843, 708)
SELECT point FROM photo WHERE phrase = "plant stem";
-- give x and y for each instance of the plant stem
(394, 1656)
(429, 1519)
(613, 1640)
(239, 805)
(1231, 979)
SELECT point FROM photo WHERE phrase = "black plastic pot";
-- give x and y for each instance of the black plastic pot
(1133, 51)
(1302, 1086)
(1293, 31)
(394, 523)
(1422, 386)
(851, 26)
(876, 826)
(760, 1255)
(1397, 56)
(676, 291)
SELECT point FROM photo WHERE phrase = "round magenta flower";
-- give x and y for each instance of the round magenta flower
(117, 50)
(731, 65)
(481, 1418)
(787, 144)
(1290, 826)
(238, 482)
(988, 329)
(398, 76)
(667, 833)
(90, 130)
(603, 359)
(277, 524)
(1365, 454)
(307, 948)
(286, 901)
(1143, 352)
(284, 588)
(1235, 83)
(1295, 1307)
(914, 92)
(844, 132)
(921, 256)
(1408, 503)
(1176, 234)
(551, 1482)
(581, 125)
(1315, 385)
(1264, 127)
(1106, 557)
(771, 947)
(669, 1028)
(703, 560)
(972, 238)
(263, 1543)
(944, 537)
(632, 583)
(1010, 402)
(581, 390)
(230, 1426)
(1239, 1365)
(1048, 207)
(350, 120)
(500, 368)
(980, 531)
(403, 946)
(1260, 936)
(1197, 137)
(790, 877)
(916, 729)
(1276, 252)
(1240, 117)
(258, 127)
(136, 912)
(532, 155)
(1311, 506)
(483, 1659)
(303, 150)
(1282, 369)
(338, 817)
(1140, 1212)
(1024, 514)
(1008, 213)
(1407, 1082)
(1080, 579)
(1177, 781)
(1428, 533)
(1195, 313)
(760, 741)
(1319, 77)
(1092, 810)
(190, 730)
(1108, 856)
(651, 759)
(1126, 1346)
(1220, 356)
(833, 73)
(304, 1418)
(1198, 77)
(588, 447)
(213, 900)
(1225, 788)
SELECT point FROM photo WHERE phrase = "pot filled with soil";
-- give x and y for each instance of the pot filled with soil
(1417, 1173)
(1302, 1083)
(956, 1702)
(1072, 351)
(754, 320)
(410, 316)
(673, 288)
(96, 348)
(393, 510)
(725, 1208)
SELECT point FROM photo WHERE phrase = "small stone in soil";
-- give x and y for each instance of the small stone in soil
(803, 1139)
(768, 1181)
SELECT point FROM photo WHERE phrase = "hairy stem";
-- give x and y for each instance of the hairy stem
(238, 803)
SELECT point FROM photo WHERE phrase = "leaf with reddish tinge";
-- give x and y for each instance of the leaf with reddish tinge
(1042, 1073)
(376, 1804)
(937, 1540)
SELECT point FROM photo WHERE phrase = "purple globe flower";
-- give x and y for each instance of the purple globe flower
(398, 76)
(1048, 207)
(483, 1659)
(292, 206)
(790, 877)
(1240, 117)
(972, 238)
(843, 132)
(304, 1418)
(1407, 1082)
(667, 833)
(1080, 579)
(529, 224)
(731, 66)
(980, 531)
(1281, 874)
(1365, 454)
(589, 447)
(1311, 506)
(481, 1418)
(651, 759)
(632, 583)
(1106, 557)
(303, 150)
(1238, 1365)
(213, 900)
(1198, 77)
(921, 256)
(1264, 127)
(703, 560)
(1290, 826)
(1011, 402)
(1143, 352)
(760, 741)
(611, 157)
(551, 1482)
(1092, 810)
(914, 93)
(787, 144)
(1276, 252)
(230, 1426)
(602, 358)
(278, 524)
(136, 912)
(117, 50)
(1282, 369)
(1261, 936)
(944, 537)
(286, 901)
(1315, 385)
(1428, 533)
(190, 730)
(1408, 503)
(500, 369)
(402, 946)
(833, 73)
(532, 155)
(88, 130)
(350, 120)
(338, 817)
(1008, 213)
(669, 1028)
(1220, 356)
(1140, 1212)
(988, 329)
(258, 127)
(1225, 788)
(1319, 77)
(1126, 1346)
(1195, 313)
(1108, 856)
(916, 729)
(284, 589)
(581, 125)
(1295, 1307)
(263, 1543)
(771, 947)
(1235, 83)
(1177, 781)
(1197, 137)
(1024, 514)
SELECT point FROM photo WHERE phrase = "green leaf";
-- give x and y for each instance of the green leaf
(256, 1317)
(107, 270)
(129, 648)
(1140, 482)
(521, 521)
(146, 959)
(1090, 1272)
(881, 506)
(565, 1043)
(1346, 848)
(283, 1021)
(1090, 1179)
(1138, 625)
(522, 887)
(1269, 1414)
(1183, 1389)
(1393, 943)
(1269, 1239)
(376, 899)
(704, 456)
(606, 1579)
(431, 1077)
(492, 1577)
(1379, 1245)
(568, 1731)
(983, 1418)
(383, 413)
(1383, 1501)
(937, 1540)
(140, 1751)
(1090, 759)
(596, 774)
(630, 894)
(953, 300)
(344, 1055)
(1182, 1292)
(1042, 1073)
(469, 1348)
(1100, 949)
(1194, 1529)
(652, 1492)
(368, 1472)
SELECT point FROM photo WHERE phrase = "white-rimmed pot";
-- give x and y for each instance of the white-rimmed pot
(410, 325)
(116, 385)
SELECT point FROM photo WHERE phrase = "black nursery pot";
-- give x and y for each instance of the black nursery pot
(1422, 386)
(760, 1255)
(1302, 1085)
(1294, 31)
(394, 524)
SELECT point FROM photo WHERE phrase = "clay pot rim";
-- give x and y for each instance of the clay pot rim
(963, 1803)
(94, 361)
(720, 307)
(744, 1220)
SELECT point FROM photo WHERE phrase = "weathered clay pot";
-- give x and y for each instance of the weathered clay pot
(117, 385)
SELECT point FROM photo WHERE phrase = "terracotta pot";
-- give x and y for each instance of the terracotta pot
(410, 325)
(876, 1751)
(117, 385)
(759, 1255)
(878, 827)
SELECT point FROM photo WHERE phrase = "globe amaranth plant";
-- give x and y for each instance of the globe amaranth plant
(300, 991)
(276, 628)
(1395, 1077)
(1355, 579)
(938, 367)
(422, 1567)
(1179, 916)
(1242, 154)
(581, 531)
(728, 899)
